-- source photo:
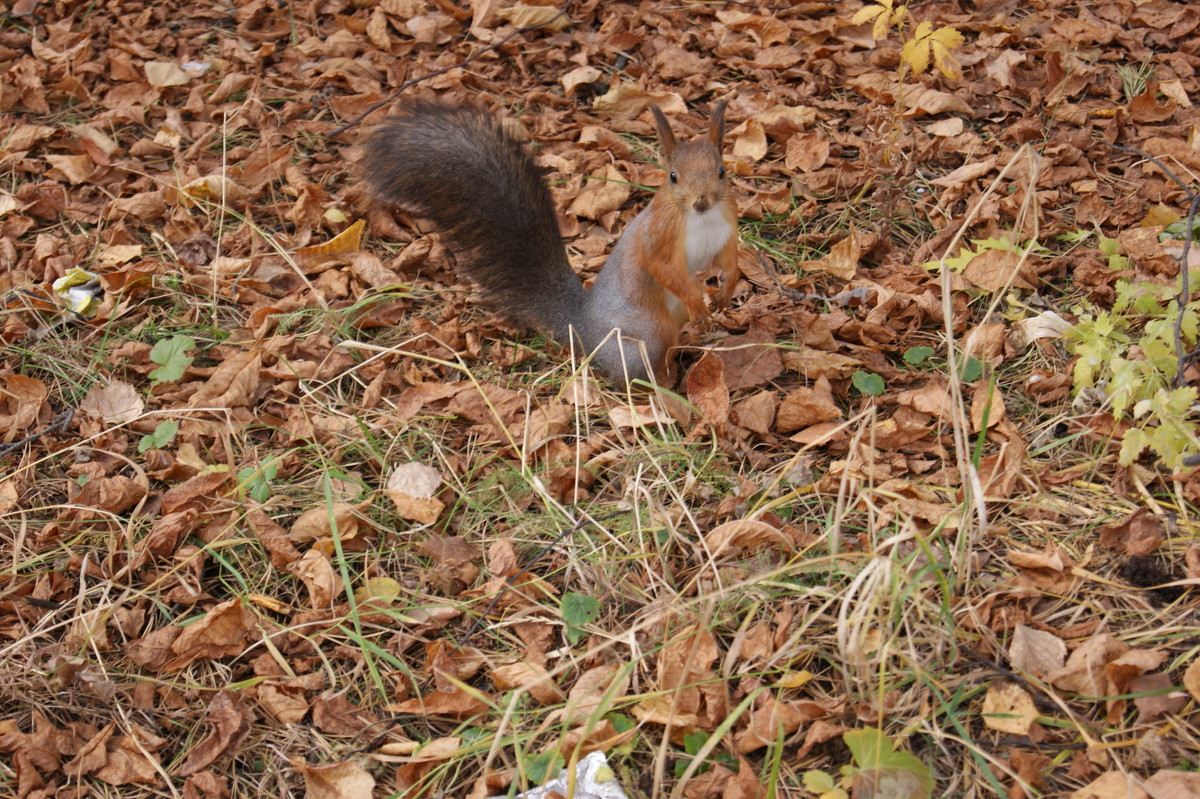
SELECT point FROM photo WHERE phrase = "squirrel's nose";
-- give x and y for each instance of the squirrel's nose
(701, 205)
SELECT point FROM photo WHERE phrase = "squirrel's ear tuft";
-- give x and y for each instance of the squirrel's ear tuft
(666, 137)
(716, 126)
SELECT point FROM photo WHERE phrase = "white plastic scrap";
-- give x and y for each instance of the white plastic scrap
(594, 779)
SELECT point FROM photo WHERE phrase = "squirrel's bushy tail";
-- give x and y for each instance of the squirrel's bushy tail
(457, 167)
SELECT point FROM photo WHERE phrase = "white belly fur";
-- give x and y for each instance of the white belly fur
(706, 235)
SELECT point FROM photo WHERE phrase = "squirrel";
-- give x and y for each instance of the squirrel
(457, 166)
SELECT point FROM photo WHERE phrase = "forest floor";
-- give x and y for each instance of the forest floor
(284, 508)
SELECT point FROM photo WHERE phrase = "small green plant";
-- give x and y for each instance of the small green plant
(868, 383)
(256, 481)
(578, 610)
(693, 742)
(162, 435)
(915, 356)
(879, 769)
(171, 353)
(1129, 353)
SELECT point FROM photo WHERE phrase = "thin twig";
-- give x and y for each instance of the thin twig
(59, 423)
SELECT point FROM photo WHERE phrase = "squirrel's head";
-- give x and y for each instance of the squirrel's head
(695, 170)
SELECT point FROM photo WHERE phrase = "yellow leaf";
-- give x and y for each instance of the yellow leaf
(347, 241)
(915, 53)
(865, 13)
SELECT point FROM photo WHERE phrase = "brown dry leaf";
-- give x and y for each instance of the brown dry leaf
(813, 364)
(1008, 707)
(626, 101)
(223, 631)
(322, 522)
(502, 558)
(286, 703)
(747, 534)
(598, 686)
(1169, 784)
(527, 676)
(660, 709)
(411, 487)
(1159, 701)
(807, 152)
(1110, 785)
(995, 270)
(456, 704)
(1191, 679)
(764, 725)
(934, 398)
(211, 189)
(806, 407)
(579, 76)
(317, 573)
(232, 385)
(229, 718)
(337, 715)
(749, 141)
(165, 73)
(706, 389)
(843, 257)
(751, 359)
(1084, 672)
(601, 194)
(1036, 652)
(115, 402)
(344, 780)
(757, 412)
(1138, 534)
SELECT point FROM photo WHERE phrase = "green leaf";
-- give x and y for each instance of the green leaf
(171, 353)
(578, 610)
(970, 369)
(818, 781)
(887, 772)
(543, 767)
(868, 383)
(693, 741)
(257, 481)
(162, 435)
(917, 355)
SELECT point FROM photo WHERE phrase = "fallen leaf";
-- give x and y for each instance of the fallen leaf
(1036, 652)
(344, 780)
(1008, 707)
(229, 719)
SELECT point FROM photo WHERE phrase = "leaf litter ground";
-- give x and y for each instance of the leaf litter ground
(290, 512)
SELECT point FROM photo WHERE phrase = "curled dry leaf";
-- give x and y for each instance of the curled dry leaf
(1084, 672)
(1138, 534)
(749, 534)
(316, 572)
(322, 521)
(706, 389)
(601, 194)
(345, 780)
(229, 718)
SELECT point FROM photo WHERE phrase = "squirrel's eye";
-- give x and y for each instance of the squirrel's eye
(674, 178)
(721, 173)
